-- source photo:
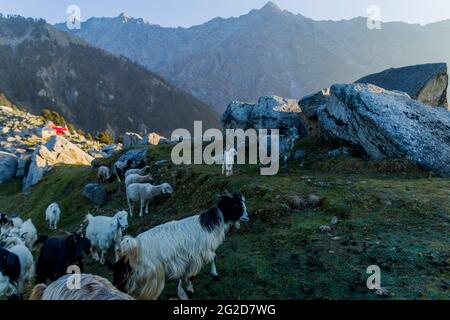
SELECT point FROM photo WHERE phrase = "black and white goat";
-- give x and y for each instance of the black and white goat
(179, 249)
(120, 167)
(57, 255)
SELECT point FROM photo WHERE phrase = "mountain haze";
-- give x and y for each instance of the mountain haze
(267, 51)
(43, 67)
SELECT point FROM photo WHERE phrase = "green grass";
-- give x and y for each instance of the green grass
(397, 219)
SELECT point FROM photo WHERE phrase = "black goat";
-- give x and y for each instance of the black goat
(57, 255)
(121, 271)
(9, 267)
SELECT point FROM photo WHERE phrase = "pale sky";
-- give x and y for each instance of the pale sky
(192, 12)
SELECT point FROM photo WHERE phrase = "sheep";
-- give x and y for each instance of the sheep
(145, 193)
(136, 178)
(138, 171)
(28, 233)
(104, 232)
(103, 174)
(120, 167)
(92, 287)
(52, 216)
(178, 249)
(57, 255)
(228, 161)
(16, 246)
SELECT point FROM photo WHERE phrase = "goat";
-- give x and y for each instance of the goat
(92, 287)
(57, 255)
(6, 225)
(26, 265)
(178, 249)
(103, 174)
(228, 161)
(120, 167)
(145, 193)
(52, 216)
(141, 172)
(136, 178)
(9, 272)
(28, 233)
(287, 145)
(104, 232)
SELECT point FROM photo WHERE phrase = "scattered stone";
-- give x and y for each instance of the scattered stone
(96, 193)
(334, 220)
(153, 139)
(161, 162)
(57, 150)
(131, 139)
(137, 156)
(314, 200)
(325, 228)
(297, 202)
(382, 292)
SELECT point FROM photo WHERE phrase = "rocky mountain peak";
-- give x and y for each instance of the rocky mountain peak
(270, 7)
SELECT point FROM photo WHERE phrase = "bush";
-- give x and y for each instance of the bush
(105, 137)
(53, 116)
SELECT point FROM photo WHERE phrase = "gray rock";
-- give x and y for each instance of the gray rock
(152, 139)
(336, 153)
(23, 164)
(96, 193)
(386, 124)
(131, 139)
(57, 150)
(311, 103)
(137, 156)
(269, 113)
(426, 83)
(8, 166)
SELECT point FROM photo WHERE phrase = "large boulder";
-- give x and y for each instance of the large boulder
(312, 102)
(137, 156)
(426, 83)
(269, 113)
(96, 193)
(57, 150)
(8, 166)
(131, 139)
(388, 124)
(153, 139)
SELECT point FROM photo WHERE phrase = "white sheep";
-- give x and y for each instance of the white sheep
(27, 269)
(136, 178)
(104, 232)
(52, 216)
(28, 233)
(144, 193)
(103, 174)
(178, 249)
(138, 171)
(228, 161)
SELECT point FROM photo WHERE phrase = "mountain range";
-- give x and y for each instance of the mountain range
(268, 51)
(42, 67)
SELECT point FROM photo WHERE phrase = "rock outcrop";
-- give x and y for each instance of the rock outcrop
(57, 150)
(269, 113)
(152, 139)
(426, 83)
(8, 166)
(131, 139)
(388, 124)
(96, 193)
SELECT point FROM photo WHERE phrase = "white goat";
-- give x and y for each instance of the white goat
(17, 246)
(104, 232)
(228, 161)
(138, 171)
(178, 249)
(103, 174)
(144, 193)
(52, 216)
(136, 178)
(92, 287)
(28, 233)
(120, 167)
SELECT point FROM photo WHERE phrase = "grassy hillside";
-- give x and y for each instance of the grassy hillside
(390, 214)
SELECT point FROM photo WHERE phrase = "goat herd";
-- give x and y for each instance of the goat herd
(175, 250)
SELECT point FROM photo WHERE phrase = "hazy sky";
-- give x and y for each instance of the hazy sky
(192, 12)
